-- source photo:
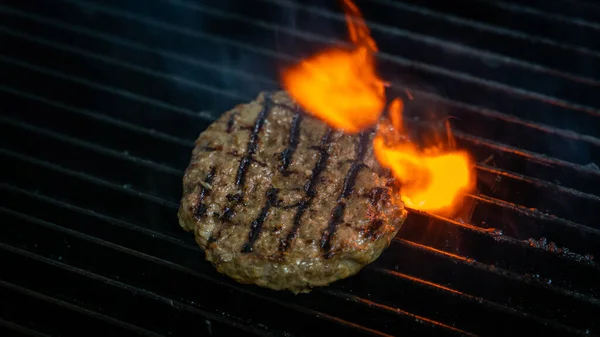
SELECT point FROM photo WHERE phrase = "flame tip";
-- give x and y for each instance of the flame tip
(341, 87)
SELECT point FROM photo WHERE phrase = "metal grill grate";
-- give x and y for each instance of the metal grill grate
(101, 104)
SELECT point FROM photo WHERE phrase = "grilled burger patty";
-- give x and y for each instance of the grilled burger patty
(277, 198)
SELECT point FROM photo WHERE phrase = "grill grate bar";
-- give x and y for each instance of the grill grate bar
(126, 65)
(71, 306)
(524, 153)
(533, 213)
(486, 27)
(16, 327)
(87, 177)
(503, 273)
(97, 86)
(471, 298)
(551, 16)
(132, 252)
(176, 304)
(533, 156)
(91, 146)
(394, 58)
(432, 40)
(490, 233)
(125, 43)
(536, 182)
(109, 220)
(487, 269)
(458, 134)
(99, 116)
(266, 81)
(160, 261)
(564, 133)
(520, 209)
(164, 168)
(353, 298)
(536, 276)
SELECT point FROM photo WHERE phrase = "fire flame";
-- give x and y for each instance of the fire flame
(342, 88)
(323, 84)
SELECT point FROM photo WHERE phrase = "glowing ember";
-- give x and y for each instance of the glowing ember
(342, 88)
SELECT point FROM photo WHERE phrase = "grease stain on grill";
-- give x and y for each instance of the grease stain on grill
(256, 226)
(309, 189)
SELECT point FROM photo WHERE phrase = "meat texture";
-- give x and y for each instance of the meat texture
(277, 198)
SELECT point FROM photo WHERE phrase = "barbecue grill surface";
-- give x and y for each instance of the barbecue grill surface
(101, 102)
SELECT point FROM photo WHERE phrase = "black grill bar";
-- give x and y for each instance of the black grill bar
(86, 279)
(169, 177)
(192, 247)
(520, 8)
(495, 171)
(385, 56)
(109, 125)
(10, 290)
(578, 11)
(457, 20)
(446, 222)
(193, 276)
(511, 206)
(95, 85)
(10, 328)
(170, 27)
(569, 134)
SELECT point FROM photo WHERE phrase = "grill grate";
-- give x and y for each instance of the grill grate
(102, 107)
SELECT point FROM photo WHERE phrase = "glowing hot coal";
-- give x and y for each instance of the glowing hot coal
(342, 88)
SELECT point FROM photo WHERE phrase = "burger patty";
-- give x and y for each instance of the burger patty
(277, 198)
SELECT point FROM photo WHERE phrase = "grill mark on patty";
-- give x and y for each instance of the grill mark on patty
(349, 181)
(240, 178)
(288, 153)
(309, 189)
(236, 199)
(231, 121)
(201, 208)
(257, 224)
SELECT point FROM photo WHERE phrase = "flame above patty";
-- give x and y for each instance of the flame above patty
(342, 88)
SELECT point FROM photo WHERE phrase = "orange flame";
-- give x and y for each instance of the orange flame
(342, 88)
(430, 180)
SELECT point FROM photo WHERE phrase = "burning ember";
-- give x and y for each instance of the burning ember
(342, 88)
